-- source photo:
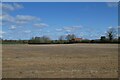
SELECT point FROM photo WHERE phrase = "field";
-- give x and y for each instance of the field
(60, 61)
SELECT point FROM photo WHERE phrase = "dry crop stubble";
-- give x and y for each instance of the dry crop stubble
(60, 61)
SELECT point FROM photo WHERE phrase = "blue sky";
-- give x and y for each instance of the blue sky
(89, 20)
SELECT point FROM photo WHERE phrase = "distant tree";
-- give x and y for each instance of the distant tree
(70, 37)
(32, 38)
(85, 41)
(111, 33)
(43, 39)
(103, 38)
(118, 38)
(61, 38)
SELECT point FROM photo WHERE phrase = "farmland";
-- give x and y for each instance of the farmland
(60, 61)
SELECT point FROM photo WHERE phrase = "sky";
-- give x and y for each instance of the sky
(88, 20)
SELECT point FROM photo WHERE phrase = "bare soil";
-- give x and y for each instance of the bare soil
(60, 61)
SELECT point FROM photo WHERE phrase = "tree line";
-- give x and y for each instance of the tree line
(111, 37)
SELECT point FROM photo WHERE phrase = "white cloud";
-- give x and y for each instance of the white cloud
(69, 29)
(13, 27)
(112, 4)
(8, 7)
(40, 25)
(17, 6)
(0, 17)
(48, 31)
(25, 18)
(18, 19)
(58, 29)
(27, 31)
(11, 7)
(1, 33)
(1, 23)
(110, 27)
(73, 28)
(15, 21)
(7, 18)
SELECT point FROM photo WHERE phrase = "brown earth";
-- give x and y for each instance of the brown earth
(60, 61)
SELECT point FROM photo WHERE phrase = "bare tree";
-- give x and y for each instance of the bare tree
(43, 39)
(61, 38)
(111, 33)
(70, 36)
